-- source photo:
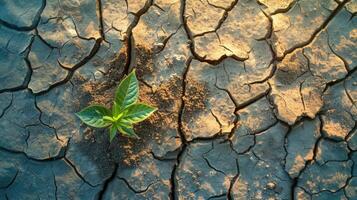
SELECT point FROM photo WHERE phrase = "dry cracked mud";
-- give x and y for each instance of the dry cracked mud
(257, 99)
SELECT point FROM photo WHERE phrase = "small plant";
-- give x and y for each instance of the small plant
(125, 110)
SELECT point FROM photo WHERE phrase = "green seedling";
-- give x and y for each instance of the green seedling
(125, 111)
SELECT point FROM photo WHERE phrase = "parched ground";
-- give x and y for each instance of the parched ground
(257, 99)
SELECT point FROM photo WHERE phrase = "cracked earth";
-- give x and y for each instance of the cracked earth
(257, 99)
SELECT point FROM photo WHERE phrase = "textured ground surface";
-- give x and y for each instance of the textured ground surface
(257, 99)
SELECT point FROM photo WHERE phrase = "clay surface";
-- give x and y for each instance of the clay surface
(256, 99)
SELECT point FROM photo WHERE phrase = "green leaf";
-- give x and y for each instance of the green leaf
(118, 116)
(124, 123)
(128, 131)
(115, 109)
(113, 132)
(93, 116)
(127, 93)
(108, 119)
(137, 113)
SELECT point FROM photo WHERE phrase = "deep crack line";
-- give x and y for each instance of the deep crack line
(100, 18)
(182, 107)
(347, 67)
(49, 159)
(47, 125)
(54, 182)
(3, 112)
(130, 39)
(34, 24)
(173, 191)
(191, 40)
(283, 10)
(184, 142)
(28, 76)
(133, 189)
(107, 182)
(77, 172)
(316, 32)
(234, 179)
(71, 71)
(307, 163)
(212, 167)
(220, 21)
(12, 180)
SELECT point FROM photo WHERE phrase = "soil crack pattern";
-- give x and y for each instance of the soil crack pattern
(257, 99)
